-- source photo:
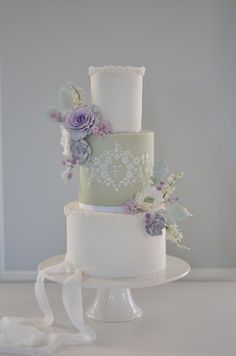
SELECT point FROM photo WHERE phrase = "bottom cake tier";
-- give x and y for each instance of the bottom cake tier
(112, 245)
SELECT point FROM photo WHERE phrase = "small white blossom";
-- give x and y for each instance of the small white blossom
(149, 199)
(65, 141)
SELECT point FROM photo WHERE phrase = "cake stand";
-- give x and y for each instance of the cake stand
(113, 301)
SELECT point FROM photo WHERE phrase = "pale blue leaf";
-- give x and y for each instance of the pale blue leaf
(66, 98)
(160, 171)
(176, 213)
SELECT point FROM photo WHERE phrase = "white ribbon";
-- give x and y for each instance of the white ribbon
(30, 336)
(105, 209)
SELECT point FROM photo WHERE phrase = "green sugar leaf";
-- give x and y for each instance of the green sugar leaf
(149, 200)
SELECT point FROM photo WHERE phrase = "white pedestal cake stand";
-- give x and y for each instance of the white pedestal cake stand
(114, 301)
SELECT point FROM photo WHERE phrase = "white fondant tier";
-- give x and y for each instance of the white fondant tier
(117, 91)
(112, 245)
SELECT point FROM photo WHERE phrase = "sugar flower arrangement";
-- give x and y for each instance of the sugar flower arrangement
(163, 211)
(77, 120)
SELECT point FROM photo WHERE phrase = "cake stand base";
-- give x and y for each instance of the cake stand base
(114, 301)
(114, 305)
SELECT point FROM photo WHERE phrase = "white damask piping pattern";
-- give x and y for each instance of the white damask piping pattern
(117, 70)
(104, 169)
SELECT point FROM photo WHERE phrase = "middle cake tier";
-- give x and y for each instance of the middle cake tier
(120, 166)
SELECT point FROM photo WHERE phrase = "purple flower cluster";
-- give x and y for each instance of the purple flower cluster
(172, 200)
(161, 185)
(154, 223)
(55, 115)
(102, 129)
(79, 122)
(131, 207)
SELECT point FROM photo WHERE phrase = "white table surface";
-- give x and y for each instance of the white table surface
(182, 318)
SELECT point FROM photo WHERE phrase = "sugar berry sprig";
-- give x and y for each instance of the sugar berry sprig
(169, 185)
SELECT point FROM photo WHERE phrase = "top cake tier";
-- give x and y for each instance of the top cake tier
(117, 91)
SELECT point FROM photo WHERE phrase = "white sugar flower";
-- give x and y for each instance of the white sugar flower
(65, 141)
(149, 199)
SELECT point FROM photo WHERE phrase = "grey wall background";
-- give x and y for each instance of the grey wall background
(188, 48)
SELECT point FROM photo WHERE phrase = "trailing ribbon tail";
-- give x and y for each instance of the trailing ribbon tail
(28, 336)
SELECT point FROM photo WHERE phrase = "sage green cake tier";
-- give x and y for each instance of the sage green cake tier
(120, 166)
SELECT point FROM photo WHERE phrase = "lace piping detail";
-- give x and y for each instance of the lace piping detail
(117, 70)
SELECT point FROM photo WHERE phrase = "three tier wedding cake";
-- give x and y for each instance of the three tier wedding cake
(125, 211)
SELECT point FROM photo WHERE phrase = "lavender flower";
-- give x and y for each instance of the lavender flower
(172, 200)
(161, 185)
(67, 174)
(131, 207)
(154, 224)
(81, 151)
(55, 115)
(81, 121)
(148, 218)
(70, 164)
(102, 129)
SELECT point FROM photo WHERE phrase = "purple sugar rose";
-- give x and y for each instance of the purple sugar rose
(81, 121)
(154, 224)
(81, 151)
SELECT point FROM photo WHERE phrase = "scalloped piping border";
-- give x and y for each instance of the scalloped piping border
(117, 70)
